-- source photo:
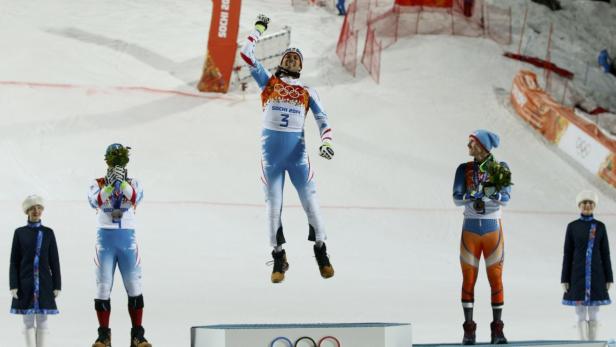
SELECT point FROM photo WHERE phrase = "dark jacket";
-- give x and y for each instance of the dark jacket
(574, 263)
(22, 270)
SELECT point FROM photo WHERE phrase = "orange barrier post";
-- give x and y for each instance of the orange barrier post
(221, 46)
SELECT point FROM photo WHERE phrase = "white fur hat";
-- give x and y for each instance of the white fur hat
(32, 200)
(587, 195)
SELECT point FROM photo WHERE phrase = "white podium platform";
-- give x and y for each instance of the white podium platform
(303, 335)
(529, 344)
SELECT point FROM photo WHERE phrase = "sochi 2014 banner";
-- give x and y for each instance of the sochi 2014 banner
(427, 3)
(221, 46)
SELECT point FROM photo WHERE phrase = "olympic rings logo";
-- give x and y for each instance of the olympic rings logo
(582, 147)
(286, 90)
(307, 339)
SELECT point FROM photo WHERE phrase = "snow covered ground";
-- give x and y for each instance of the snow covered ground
(386, 196)
(582, 28)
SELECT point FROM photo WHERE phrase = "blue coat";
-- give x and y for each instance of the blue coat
(586, 263)
(34, 270)
(604, 61)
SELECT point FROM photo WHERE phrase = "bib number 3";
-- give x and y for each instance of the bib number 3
(285, 120)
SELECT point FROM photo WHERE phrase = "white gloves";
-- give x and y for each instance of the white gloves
(565, 287)
(14, 293)
(608, 285)
(326, 150)
(116, 173)
(120, 173)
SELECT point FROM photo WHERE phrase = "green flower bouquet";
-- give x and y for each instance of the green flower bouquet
(499, 176)
(117, 157)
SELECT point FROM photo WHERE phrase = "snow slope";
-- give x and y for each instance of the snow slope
(582, 28)
(386, 196)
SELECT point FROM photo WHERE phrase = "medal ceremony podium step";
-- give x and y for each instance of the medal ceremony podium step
(303, 335)
(527, 344)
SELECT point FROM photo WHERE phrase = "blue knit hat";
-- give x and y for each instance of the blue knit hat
(487, 139)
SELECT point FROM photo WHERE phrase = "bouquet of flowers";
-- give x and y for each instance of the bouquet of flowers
(117, 157)
(499, 176)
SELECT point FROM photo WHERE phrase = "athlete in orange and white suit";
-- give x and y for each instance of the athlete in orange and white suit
(482, 231)
(286, 101)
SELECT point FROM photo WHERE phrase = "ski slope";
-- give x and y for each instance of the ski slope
(386, 196)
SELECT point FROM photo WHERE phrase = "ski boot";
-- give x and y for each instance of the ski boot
(104, 338)
(280, 266)
(137, 339)
(498, 337)
(325, 267)
(469, 333)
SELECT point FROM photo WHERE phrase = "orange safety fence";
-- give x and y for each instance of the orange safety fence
(371, 58)
(346, 48)
(498, 24)
(384, 24)
(480, 19)
(552, 119)
(430, 3)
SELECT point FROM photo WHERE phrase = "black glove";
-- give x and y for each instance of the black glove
(326, 150)
(114, 174)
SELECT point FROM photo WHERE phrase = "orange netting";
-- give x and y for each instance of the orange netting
(498, 24)
(432, 3)
(386, 23)
(371, 58)
(463, 18)
(346, 49)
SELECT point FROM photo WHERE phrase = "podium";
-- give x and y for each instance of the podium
(527, 344)
(303, 335)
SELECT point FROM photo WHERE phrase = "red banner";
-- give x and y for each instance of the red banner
(427, 3)
(221, 46)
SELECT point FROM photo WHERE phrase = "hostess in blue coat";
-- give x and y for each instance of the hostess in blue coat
(34, 270)
(586, 263)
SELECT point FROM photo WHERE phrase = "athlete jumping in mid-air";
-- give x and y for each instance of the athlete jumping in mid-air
(286, 101)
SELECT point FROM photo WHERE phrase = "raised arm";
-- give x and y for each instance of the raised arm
(132, 191)
(258, 72)
(97, 195)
